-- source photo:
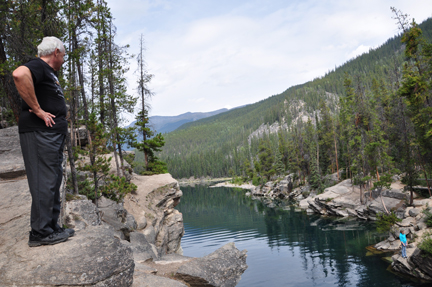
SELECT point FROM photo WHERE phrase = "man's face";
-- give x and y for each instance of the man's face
(58, 59)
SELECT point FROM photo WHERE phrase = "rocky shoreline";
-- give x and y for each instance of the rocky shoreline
(192, 180)
(342, 199)
(136, 242)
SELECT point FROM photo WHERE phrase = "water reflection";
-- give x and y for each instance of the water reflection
(285, 248)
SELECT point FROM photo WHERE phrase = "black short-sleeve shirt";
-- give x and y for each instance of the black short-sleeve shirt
(50, 97)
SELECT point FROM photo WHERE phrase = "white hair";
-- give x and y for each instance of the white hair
(48, 46)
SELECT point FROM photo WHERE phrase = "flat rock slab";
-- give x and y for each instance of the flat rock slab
(388, 245)
(407, 222)
(349, 200)
(12, 163)
(327, 195)
(222, 268)
(150, 280)
(92, 257)
(340, 188)
(173, 258)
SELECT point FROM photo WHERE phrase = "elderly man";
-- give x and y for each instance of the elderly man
(42, 129)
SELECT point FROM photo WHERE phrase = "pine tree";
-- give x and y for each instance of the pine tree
(416, 89)
(266, 160)
(278, 164)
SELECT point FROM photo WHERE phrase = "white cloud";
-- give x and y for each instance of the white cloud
(359, 51)
(206, 57)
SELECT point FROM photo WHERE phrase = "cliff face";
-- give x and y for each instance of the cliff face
(153, 208)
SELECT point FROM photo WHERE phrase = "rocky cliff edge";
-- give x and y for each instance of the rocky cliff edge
(133, 243)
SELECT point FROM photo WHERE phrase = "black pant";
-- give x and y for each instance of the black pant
(43, 156)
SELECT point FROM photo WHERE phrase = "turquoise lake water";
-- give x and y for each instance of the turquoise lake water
(285, 247)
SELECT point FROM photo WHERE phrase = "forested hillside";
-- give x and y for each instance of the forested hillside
(359, 117)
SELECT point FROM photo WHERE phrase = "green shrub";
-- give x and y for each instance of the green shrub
(256, 180)
(426, 245)
(385, 221)
(237, 180)
(428, 218)
(117, 187)
(86, 187)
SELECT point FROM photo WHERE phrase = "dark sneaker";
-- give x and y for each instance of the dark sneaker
(69, 231)
(53, 238)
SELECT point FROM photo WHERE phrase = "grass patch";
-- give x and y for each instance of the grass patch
(70, 196)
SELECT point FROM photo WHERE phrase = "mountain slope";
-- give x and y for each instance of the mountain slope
(214, 145)
(163, 124)
(166, 124)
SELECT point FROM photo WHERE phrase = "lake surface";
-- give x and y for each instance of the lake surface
(285, 247)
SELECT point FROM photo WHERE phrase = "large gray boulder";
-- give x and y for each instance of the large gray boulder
(93, 257)
(153, 207)
(377, 206)
(12, 163)
(222, 268)
(141, 248)
(114, 215)
(81, 213)
(416, 265)
(393, 193)
(414, 212)
(423, 262)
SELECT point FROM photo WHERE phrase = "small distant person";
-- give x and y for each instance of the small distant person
(403, 240)
(42, 129)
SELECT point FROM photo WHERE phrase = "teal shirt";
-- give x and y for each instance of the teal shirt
(402, 238)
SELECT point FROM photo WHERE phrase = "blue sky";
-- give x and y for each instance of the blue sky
(208, 55)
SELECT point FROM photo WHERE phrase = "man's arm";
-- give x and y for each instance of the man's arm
(24, 84)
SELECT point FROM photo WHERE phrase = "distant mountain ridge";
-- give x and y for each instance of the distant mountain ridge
(166, 124)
